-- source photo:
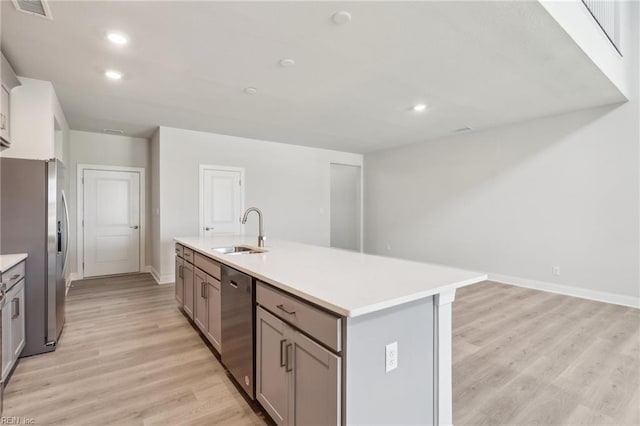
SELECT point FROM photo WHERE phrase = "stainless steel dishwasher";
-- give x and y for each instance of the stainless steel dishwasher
(238, 319)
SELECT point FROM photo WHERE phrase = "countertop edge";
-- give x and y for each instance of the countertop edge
(368, 309)
(14, 259)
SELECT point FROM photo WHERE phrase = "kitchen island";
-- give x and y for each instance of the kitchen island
(381, 325)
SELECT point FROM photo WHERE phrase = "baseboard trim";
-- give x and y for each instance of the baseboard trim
(598, 296)
(160, 279)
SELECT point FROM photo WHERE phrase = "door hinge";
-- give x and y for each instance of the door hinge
(83, 180)
(83, 222)
(240, 182)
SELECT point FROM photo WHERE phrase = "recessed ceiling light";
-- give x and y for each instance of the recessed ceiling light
(113, 74)
(117, 38)
(419, 107)
(250, 90)
(341, 18)
(287, 62)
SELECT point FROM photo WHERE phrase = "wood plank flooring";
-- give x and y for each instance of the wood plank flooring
(127, 356)
(521, 357)
(525, 357)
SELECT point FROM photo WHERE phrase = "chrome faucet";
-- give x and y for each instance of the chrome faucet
(261, 236)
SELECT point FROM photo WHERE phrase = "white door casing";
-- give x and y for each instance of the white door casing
(111, 227)
(221, 200)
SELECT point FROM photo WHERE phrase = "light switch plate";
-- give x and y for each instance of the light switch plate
(391, 357)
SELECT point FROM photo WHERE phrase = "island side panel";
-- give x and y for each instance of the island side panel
(404, 395)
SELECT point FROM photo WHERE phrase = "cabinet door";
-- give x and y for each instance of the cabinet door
(179, 287)
(316, 384)
(272, 383)
(7, 357)
(188, 282)
(214, 325)
(4, 114)
(17, 321)
(200, 316)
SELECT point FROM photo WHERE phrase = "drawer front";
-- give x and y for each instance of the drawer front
(13, 275)
(209, 266)
(187, 254)
(179, 250)
(319, 324)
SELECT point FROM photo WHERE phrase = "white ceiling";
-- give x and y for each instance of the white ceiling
(476, 64)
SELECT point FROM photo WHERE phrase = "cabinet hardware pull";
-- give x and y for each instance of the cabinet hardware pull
(282, 362)
(3, 122)
(13, 277)
(282, 308)
(288, 367)
(203, 290)
(180, 272)
(232, 284)
(15, 308)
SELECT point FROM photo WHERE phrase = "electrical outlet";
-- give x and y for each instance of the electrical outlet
(556, 271)
(391, 358)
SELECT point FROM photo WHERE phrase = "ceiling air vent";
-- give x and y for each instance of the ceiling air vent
(113, 131)
(33, 7)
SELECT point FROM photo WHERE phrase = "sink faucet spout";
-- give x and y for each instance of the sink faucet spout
(261, 237)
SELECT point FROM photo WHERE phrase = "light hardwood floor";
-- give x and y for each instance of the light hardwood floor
(525, 357)
(521, 357)
(128, 357)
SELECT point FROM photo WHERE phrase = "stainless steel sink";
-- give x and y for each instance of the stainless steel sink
(237, 250)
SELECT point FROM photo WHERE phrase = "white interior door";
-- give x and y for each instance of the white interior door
(111, 222)
(346, 201)
(221, 202)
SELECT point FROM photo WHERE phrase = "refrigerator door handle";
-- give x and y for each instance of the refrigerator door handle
(66, 230)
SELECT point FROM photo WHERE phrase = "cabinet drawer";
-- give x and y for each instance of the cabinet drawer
(13, 275)
(179, 250)
(187, 253)
(209, 266)
(321, 325)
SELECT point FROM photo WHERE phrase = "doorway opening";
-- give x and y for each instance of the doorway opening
(346, 206)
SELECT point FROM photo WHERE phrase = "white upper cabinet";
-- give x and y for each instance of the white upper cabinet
(8, 81)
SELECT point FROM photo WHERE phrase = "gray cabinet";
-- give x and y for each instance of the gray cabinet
(200, 314)
(5, 130)
(298, 381)
(188, 282)
(272, 384)
(8, 81)
(16, 307)
(179, 286)
(214, 313)
(13, 317)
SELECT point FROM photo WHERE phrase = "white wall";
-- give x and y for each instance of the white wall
(518, 200)
(290, 184)
(109, 150)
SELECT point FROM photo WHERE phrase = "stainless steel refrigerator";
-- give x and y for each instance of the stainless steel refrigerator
(34, 219)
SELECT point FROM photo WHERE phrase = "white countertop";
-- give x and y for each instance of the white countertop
(347, 283)
(8, 261)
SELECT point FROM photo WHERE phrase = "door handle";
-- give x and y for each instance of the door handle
(288, 356)
(207, 228)
(282, 361)
(134, 227)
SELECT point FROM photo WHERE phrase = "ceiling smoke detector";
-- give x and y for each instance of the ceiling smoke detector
(250, 90)
(287, 62)
(341, 18)
(34, 7)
